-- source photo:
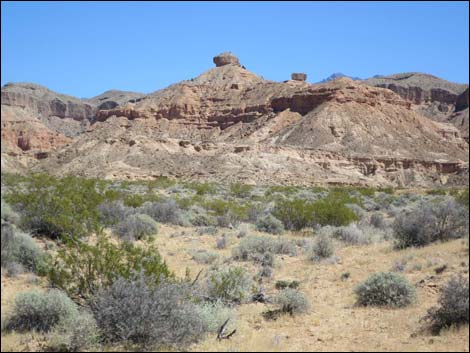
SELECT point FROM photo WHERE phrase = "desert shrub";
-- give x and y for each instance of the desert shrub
(202, 189)
(18, 248)
(269, 224)
(352, 234)
(292, 301)
(428, 223)
(240, 190)
(58, 207)
(266, 271)
(322, 248)
(112, 212)
(136, 226)
(211, 230)
(166, 211)
(133, 310)
(253, 248)
(40, 311)
(215, 314)
(74, 334)
(229, 285)
(7, 213)
(222, 242)
(81, 269)
(203, 256)
(287, 284)
(463, 198)
(332, 210)
(242, 230)
(358, 210)
(453, 306)
(385, 289)
(377, 220)
(198, 217)
(294, 214)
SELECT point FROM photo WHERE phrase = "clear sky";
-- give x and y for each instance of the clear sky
(85, 48)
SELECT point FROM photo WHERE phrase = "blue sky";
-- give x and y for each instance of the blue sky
(85, 48)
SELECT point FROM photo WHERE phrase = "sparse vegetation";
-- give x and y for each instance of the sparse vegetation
(322, 248)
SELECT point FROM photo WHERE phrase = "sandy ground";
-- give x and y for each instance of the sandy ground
(334, 322)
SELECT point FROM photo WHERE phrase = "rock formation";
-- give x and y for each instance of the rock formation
(431, 96)
(299, 76)
(229, 124)
(226, 58)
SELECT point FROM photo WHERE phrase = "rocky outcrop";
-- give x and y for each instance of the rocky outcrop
(299, 76)
(431, 96)
(462, 101)
(41, 101)
(226, 58)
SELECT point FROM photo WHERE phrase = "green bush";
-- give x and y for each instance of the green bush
(287, 284)
(294, 214)
(136, 226)
(229, 285)
(81, 269)
(453, 306)
(385, 289)
(75, 333)
(58, 207)
(240, 190)
(40, 311)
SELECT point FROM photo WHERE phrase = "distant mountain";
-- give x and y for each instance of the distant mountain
(337, 75)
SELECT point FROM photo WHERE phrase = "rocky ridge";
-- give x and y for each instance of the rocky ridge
(229, 124)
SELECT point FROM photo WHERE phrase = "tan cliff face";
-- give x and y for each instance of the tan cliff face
(229, 124)
(437, 99)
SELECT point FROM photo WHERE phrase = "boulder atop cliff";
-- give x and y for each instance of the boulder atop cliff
(226, 58)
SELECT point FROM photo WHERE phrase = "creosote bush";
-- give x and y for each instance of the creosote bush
(58, 207)
(453, 306)
(81, 269)
(385, 289)
(136, 226)
(40, 311)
